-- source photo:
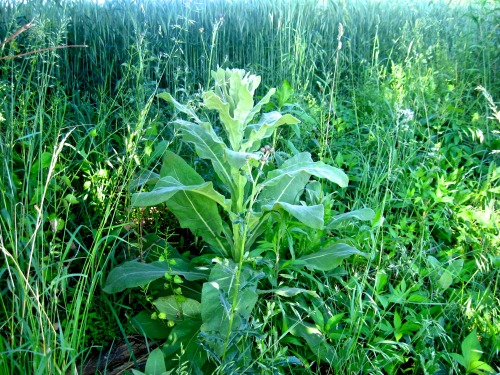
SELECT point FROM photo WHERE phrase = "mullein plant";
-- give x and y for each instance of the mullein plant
(251, 195)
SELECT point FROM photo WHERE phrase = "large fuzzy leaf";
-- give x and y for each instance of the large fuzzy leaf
(255, 133)
(167, 187)
(133, 274)
(224, 288)
(184, 109)
(317, 169)
(312, 216)
(200, 215)
(175, 166)
(238, 159)
(155, 365)
(233, 100)
(190, 199)
(281, 187)
(363, 214)
(208, 146)
(328, 258)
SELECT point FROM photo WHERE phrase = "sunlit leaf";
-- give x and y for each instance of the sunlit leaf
(312, 216)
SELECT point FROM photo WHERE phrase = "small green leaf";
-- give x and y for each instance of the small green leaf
(397, 320)
(72, 199)
(445, 280)
(380, 280)
(285, 92)
(471, 349)
(155, 364)
(333, 321)
(328, 258)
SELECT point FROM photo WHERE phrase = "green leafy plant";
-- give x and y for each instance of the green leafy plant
(253, 194)
(471, 355)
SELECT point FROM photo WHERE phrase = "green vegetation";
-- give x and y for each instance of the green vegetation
(253, 186)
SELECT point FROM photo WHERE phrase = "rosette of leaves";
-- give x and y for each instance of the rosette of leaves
(229, 221)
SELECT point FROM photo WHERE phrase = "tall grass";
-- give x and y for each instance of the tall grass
(395, 105)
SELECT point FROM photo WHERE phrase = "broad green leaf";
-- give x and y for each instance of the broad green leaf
(155, 365)
(190, 199)
(285, 92)
(255, 133)
(317, 169)
(219, 292)
(183, 108)
(258, 106)
(175, 166)
(227, 302)
(480, 368)
(152, 328)
(417, 298)
(178, 308)
(450, 274)
(286, 187)
(42, 163)
(183, 341)
(143, 178)
(133, 274)
(471, 349)
(459, 358)
(333, 321)
(380, 280)
(193, 209)
(445, 280)
(364, 214)
(315, 339)
(328, 258)
(167, 187)
(312, 216)
(200, 215)
(397, 321)
(208, 146)
(233, 100)
(238, 159)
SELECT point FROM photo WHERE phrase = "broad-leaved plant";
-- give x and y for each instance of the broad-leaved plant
(251, 193)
